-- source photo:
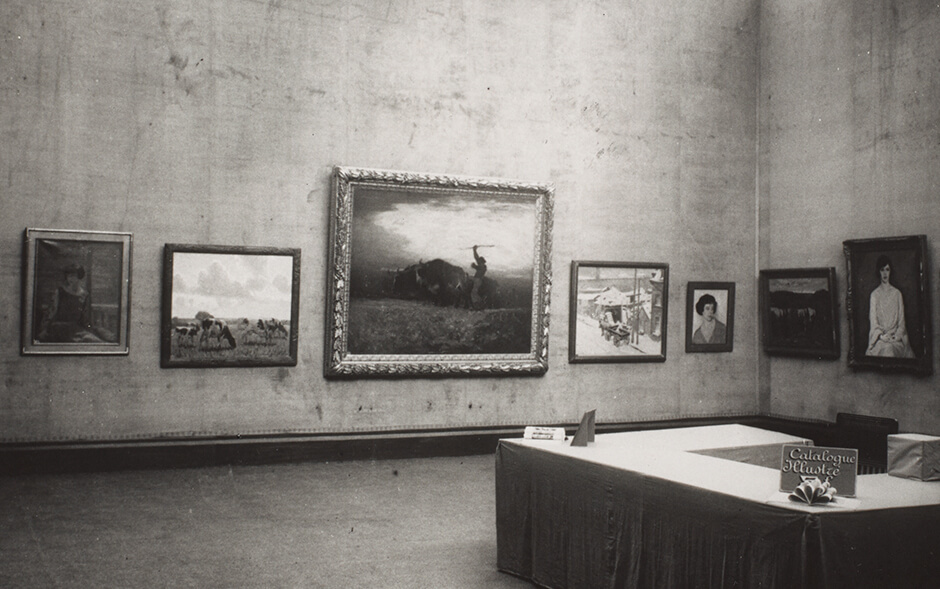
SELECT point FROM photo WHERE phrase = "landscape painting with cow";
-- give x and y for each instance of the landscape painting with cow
(230, 306)
(441, 274)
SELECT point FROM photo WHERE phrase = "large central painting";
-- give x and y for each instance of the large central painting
(437, 275)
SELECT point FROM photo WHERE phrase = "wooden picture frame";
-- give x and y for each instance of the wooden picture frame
(76, 292)
(898, 335)
(407, 294)
(799, 312)
(709, 317)
(229, 306)
(618, 312)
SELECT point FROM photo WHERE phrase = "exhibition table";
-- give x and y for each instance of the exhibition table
(664, 509)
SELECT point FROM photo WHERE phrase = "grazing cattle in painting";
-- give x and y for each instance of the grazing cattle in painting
(272, 328)
(276, 327)
(186, 333)
(247, 332)
(218, 329)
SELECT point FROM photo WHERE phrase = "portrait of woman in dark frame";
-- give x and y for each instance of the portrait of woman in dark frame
(709, 317)
(888, 304)
(887, 331)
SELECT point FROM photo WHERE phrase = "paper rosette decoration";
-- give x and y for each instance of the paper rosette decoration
(812, 491)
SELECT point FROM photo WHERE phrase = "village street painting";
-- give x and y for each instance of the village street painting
(230, 306)
(617, 312)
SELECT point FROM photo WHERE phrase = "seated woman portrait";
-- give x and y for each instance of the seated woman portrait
(68, 317)
(887, 334)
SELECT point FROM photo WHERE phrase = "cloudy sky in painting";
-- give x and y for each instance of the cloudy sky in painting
(231, 286)
(395, 229)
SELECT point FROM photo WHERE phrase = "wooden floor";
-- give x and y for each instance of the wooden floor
(423, 523)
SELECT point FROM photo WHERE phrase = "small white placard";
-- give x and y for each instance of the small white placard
(544, 433)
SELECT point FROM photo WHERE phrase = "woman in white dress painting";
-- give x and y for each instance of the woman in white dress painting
(887, 336)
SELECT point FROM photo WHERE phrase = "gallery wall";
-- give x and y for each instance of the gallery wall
(219, 121)
(849, 149)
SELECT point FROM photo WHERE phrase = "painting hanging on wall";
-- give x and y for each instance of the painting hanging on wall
(434, 275)
(229, 306)
(618, 312)
(709, 312)
(888, 304)
(76, 292)
(799, 312)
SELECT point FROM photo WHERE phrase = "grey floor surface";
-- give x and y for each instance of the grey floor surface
(421, 523)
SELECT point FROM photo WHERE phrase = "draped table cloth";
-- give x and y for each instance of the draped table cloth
(700, 507)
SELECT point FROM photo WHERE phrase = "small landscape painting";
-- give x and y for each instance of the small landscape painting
(229, 306)
(799, 312)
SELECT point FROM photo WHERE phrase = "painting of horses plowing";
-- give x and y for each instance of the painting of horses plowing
(229, 306)
(437, 275)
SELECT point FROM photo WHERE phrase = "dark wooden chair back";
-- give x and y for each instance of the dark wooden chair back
(869, 435)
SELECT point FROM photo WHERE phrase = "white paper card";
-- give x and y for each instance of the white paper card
(544, 433)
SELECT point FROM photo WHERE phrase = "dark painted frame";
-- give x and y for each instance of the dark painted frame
(728, 344)
(828, 349)
(915, 288)
(574, 356)
(166, 322)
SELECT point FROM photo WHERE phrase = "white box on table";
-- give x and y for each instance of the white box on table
(914, 456)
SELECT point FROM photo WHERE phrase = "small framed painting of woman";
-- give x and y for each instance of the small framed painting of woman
(888, 304)
(709, 312)
(76, 292)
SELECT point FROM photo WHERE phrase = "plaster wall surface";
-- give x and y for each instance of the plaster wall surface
(218, 122)
(849, 149)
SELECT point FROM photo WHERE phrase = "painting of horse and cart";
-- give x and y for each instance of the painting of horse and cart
(618, 312)
(435, 275)
(229, 306)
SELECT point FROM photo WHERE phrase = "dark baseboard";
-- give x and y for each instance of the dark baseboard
(55, 457)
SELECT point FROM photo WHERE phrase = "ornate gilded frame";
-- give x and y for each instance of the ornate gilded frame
(401, 298)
